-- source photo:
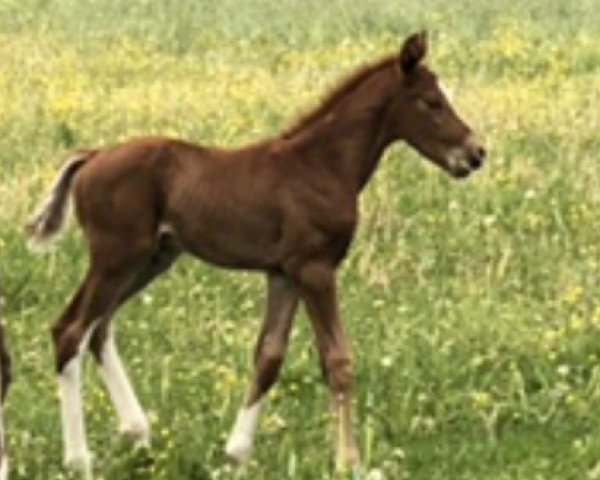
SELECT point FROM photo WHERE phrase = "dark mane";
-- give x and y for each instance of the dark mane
(337, 93)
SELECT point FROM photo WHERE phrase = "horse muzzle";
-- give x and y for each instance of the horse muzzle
(464, 160)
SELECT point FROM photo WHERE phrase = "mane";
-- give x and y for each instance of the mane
(337, 94)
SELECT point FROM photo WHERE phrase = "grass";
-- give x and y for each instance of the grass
(472, 307)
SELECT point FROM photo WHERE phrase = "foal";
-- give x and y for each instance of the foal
(287, 206)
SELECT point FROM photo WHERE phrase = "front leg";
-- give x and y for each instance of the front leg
(318, 289)
(282, 301)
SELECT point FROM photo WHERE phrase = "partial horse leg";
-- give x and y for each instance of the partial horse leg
(90, 307)
(133, 423)
(5, 371)
(67, 349)
(282, 302)
(319, 292)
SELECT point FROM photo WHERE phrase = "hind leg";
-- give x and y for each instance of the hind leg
(77, 454)
(67, 336)
(93, 303)
(133, 423)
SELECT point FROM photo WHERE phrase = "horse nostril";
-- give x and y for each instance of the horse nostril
(475, 161)
(480, 152)
(476, 157)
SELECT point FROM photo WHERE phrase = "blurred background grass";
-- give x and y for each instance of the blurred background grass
(472, 307)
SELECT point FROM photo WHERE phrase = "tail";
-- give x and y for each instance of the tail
(50, 218)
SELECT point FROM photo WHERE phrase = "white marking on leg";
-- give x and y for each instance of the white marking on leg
(133, 422)
(239, 446)
(4, 467)
(77, 454)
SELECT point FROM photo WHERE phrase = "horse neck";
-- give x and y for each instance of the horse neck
(349, 140)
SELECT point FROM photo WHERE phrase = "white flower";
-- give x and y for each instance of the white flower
(386, 362)
(375, 474)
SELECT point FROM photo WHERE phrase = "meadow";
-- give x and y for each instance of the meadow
(472, 307)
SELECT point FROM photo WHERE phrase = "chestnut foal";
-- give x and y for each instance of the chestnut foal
(287, 206)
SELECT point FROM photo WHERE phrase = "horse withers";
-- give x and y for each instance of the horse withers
(286, 206)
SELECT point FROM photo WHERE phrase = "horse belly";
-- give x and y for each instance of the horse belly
(226, 213)
(230, 239)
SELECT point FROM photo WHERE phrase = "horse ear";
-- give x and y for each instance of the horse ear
(413, 51)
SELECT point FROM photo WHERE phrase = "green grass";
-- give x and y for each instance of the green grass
(472, 307)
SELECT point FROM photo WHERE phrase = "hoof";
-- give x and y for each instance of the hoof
(239, 448)
(348, 461)
(138, 434)
(80, 463)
